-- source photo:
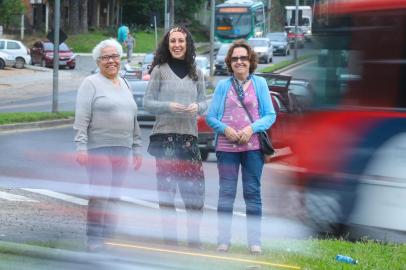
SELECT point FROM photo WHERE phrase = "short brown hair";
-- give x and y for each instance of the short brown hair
(252, 56)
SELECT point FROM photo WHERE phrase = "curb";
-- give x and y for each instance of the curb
(36, 125)
(37, 68)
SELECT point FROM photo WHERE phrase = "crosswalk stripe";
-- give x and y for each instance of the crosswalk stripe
(14, 198)
(57, 195)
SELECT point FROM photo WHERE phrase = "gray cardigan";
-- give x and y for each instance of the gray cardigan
(105, 115)
(165, 87)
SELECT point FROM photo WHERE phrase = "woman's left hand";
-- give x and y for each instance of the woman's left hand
(192, 108)
(245, 134)
(137, 162)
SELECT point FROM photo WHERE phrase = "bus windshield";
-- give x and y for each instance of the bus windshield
(233, 25)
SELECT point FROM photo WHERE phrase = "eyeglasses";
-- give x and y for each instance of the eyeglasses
(106, 58)
(235, 59)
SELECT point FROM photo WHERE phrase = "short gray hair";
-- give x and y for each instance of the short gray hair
(111, 42)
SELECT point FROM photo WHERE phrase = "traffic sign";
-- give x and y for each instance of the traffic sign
(62, 36)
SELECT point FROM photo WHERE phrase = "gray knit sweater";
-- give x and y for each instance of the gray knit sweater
(165, 87)
(105, 115)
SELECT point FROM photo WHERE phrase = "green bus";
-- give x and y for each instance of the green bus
(237, 19)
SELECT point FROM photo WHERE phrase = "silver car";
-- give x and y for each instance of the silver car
(17, 50)
(6, 60)
(279, 42)
(263, 47)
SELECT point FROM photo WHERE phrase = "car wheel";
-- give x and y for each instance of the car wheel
(20, 62)
(329, 204)
(204, 154)
(2, 64)
(71, 67)
(43, 63)
(270, 60)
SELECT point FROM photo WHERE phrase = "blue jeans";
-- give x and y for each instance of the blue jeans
(106, 169)
(228, 164)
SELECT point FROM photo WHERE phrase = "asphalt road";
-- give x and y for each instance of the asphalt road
(70, 80)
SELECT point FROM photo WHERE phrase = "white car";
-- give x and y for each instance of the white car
(17, 50)
(6, 60)
(263, 47)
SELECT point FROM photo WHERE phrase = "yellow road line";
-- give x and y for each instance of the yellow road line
(202, 255)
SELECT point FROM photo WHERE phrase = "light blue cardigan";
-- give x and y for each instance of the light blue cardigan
(266, 111)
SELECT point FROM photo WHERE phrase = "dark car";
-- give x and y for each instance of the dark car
(220, 66)
(42, 53)
(280, 43)
(138, 88)
(289, 97)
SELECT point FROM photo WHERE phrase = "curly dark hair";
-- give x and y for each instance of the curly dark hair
(252, 56)
(162, 54)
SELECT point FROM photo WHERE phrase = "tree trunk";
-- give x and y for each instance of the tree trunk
(171, 13)
(74, 16)
(83, 17)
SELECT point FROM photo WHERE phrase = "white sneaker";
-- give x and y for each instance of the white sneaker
(223, 248)
(255, 250)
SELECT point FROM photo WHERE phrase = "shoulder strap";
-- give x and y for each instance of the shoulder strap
(242, 103)
(125, 80)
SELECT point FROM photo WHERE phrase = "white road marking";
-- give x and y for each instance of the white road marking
(59, 196)
(235, 213)
(14, 198)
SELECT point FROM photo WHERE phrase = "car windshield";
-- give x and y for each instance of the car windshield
(148, 58)
(50, 46)
(224, 49)
(201, 62)
(257, 43)
(277, 37)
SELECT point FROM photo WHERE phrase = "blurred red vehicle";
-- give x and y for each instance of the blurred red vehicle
(350, 151)
(42, 53)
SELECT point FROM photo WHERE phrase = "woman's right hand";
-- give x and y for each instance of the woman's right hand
(231, 134)
(177, 107)
(82, 158)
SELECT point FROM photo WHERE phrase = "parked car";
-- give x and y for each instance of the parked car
(42, 53)
(6, 60)
(287, 96)
(17, 50)
(138, 89)
(279, 42)
(263, 48)
(299, 35)
(219, 64)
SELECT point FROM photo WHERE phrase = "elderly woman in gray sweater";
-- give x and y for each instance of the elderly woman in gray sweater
(176, 94)
(107, 132)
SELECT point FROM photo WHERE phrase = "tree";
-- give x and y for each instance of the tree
(74, 16)
(83, 17)
(10, 11)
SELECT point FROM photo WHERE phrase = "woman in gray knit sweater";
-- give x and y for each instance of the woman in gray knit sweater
(107, 132)
(176, 94)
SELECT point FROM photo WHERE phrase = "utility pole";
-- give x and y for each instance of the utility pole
(296, 23)
(212, 6)
(268, 15)
(57, 15)
(172, 13)
(166, 17)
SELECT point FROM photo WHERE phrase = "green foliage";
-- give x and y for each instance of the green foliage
(10, 11)
(138, 13)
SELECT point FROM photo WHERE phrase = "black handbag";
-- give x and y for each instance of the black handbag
(264, 140)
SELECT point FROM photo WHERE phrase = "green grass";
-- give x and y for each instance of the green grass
(283, 64)
(23, 117)
(145, 40)
(293, 254)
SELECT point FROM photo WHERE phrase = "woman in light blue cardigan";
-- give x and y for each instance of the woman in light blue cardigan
(237, 141)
